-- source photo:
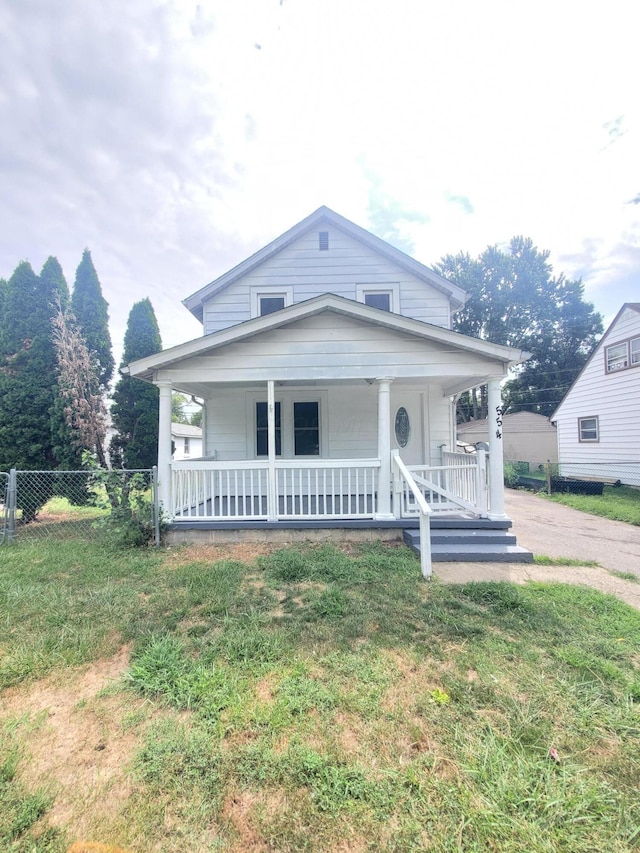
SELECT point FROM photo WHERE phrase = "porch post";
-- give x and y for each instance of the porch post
(164, 446)
(384, 448)
(496, 471)
(272, 492)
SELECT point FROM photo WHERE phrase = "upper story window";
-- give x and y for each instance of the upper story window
(269, 304)
(266, 300)
(588, 429)
(378, 300)
(622, 355)
(187, 446)
(385, 297)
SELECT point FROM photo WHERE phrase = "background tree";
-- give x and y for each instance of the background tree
(179, 414)
(90, 309)
(28, 385)
(515, 299)
(135, 403)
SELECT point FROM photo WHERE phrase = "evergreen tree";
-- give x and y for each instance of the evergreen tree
(28, 375)
(89, 307)
(514, 299)
(135, 403)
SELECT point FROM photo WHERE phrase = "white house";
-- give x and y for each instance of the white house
(527, 437)
(599, 419)
(187, 441)
(327, 369)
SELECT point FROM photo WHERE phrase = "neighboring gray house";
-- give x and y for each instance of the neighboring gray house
(328, 369)
(599, 419)
(527, 437)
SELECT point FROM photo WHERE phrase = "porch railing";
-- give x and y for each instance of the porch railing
(290, 489)
(460, 483)
(402, 474)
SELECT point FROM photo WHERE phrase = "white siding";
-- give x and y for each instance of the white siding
(613, 398)
(349, 415)
(311, 272)
(329, 346)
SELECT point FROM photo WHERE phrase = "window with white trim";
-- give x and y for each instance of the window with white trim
(187, 446)
(267, 300)
(297, 424)
(383, 297)
(622, 355)
(588, 429)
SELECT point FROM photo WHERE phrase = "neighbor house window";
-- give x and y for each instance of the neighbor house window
(588, 429)
(385, 298)
(323, 241)
(187, 448)
(617, 357)
(262, 430)
(622, 355)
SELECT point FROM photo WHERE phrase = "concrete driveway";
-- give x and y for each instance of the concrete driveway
(552, 530)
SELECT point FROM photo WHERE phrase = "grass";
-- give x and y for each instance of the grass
(621, 503)
(317, 700)
(544, 560)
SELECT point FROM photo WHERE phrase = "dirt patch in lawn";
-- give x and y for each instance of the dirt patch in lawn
(79, 738)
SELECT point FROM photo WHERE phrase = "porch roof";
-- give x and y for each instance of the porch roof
(494, 359)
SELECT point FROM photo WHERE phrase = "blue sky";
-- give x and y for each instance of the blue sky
(175, 138)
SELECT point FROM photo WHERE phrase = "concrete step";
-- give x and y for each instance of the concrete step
(471, 546)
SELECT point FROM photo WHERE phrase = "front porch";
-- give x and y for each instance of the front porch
(441, 511)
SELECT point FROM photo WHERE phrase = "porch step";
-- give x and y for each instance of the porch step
(471, 545)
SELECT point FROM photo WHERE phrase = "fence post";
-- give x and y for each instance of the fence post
(11, 505)
(548, 467)
(156, 505)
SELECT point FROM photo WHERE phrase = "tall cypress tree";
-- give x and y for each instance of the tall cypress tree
(135, 403)
(28, 385)
(89, 307)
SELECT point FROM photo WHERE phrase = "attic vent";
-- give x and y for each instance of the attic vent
(323, 241)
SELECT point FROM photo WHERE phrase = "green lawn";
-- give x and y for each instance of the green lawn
(318, 700)
(621, 503)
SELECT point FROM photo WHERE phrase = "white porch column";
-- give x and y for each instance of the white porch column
(384, 448)
(496, 469)
(164, 446)
(272, 492)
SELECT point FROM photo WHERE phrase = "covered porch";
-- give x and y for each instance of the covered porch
(381, 487)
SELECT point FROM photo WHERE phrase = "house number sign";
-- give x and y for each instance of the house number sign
(402, 427)
(499, 414)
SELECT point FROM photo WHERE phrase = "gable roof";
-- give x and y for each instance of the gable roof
(325, 216)
(632, 306)
(144, 368)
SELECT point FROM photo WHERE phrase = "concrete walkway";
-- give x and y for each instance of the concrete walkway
(552, 530)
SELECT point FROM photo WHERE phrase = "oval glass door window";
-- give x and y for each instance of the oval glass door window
(403, 427)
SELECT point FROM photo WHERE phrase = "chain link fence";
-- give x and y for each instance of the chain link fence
(65, 505)
(586, 478)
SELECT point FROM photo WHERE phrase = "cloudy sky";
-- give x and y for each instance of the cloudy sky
(173, 138)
